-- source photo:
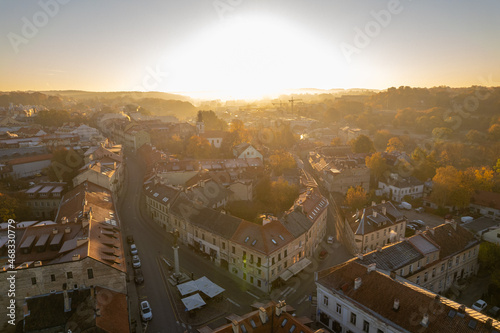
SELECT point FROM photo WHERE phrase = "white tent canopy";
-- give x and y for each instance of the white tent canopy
(187, 288)
(208, 287)
(203, 284)
(193, 302)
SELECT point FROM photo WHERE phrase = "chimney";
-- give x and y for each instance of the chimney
(374, 213)
(384, 210)
(371, 267)
(67, 230)
(80, 241)
(357, 213)
(280, 308)
(263, 315)
(392, 275)
(395, 307)
(64, 220)
(373, 203)
(360, 256)
(357, 283)
(379, 248)
(75, 257)
(234, 325)
(55, 231)
(383, 201)
(425, 321)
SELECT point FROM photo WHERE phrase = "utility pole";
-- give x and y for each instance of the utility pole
(293, 100)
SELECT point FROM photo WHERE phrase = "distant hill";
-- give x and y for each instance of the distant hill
(135, 95)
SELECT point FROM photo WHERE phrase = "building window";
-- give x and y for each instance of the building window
(353, 319)
(223, 245)
(433, 272)
(69, 275)
(33, 280)
(259, 283)
(425, 277)
(52, 277)
(213, 241)
(418, 264)
(272, 261)
(418, 279)
(402, 272)
(457, 260)
(325, 300)
(411, 268)
(233, 250)
(90, 273)
(366, 326)
(285, 254)
(339, 309)
(279, 256)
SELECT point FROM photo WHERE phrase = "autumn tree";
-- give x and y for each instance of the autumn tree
(450, 187)
(377, 165)
(381, 138)
(199, 148)
(280, 161)
(211, 121)
(356, 197)
(362, 144)
(424, 165)
(394, 144)
(494, 132)
(7, 207)
(336, 141)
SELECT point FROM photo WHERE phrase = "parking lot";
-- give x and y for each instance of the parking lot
(430, 220)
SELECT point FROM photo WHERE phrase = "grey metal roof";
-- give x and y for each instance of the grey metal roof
(296, 223)
(422, 244)
(392, 257)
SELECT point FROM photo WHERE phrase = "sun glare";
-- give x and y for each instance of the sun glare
(249, 58)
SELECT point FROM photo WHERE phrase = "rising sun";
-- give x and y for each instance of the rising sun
(250, 58)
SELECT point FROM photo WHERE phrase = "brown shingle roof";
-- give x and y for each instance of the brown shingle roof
(451, 241)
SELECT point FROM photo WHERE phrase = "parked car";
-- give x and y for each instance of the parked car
(466, 219)
(411, 226)
(480, 305)
(138, 277)
(133, 249)
(136, 262)
(146, 313)
(330, 240)
(405, 205)
(130, 239)
(420, 223)
(419, 209)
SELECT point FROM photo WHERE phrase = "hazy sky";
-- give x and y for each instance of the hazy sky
(244, 48)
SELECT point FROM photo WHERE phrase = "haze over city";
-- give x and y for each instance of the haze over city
(248, 49)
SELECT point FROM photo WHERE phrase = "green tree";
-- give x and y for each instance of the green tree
(65, 165)
(8, 207)
(362, 144)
